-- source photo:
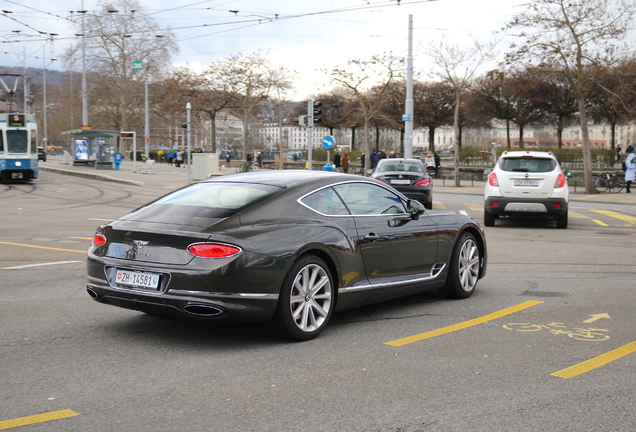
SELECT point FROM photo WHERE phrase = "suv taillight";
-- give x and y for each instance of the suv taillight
(560, 181)
(492, 180)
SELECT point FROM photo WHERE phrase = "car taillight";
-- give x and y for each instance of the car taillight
(495, 204)
(213, 250)
(99, 239)
(492, 180)
(425, 183)
(560, 181)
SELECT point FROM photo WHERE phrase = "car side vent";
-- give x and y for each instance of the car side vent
(437, 268)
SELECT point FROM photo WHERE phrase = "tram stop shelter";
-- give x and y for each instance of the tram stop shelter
(93, 147)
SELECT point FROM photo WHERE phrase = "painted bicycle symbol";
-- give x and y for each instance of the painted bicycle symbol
(588, 334)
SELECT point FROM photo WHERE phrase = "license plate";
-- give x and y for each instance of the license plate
(16, 175)
(526, 183)
(137, 279)
(401, 182)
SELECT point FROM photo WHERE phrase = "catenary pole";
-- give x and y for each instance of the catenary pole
(408, 118)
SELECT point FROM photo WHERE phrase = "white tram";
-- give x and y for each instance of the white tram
(18, 147)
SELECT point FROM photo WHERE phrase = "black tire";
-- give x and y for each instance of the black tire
(489, 219)
(562, 221)
(428, 205)
(602, 183)
(307, 299)
(463, 272)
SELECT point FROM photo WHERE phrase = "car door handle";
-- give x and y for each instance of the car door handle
(371, 237)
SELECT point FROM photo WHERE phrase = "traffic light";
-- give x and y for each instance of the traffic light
(300, 120)
(317, 112)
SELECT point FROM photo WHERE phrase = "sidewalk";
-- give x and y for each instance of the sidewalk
(170, 177)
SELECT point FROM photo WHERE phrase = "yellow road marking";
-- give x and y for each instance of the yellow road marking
(617, 215)
(475, 207)
(438, 205)
(463, 325)
(577, 215)
(599, 222)
(596, 362)
(43, 247)
(82, 238)
(39, 418)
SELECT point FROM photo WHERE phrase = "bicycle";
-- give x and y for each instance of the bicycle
(610, 181)
(249, 166)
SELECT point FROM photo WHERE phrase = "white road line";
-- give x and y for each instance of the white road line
(39, 265)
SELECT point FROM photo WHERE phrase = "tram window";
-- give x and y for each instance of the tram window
(1, 143)
(34, 142)
(17, 141)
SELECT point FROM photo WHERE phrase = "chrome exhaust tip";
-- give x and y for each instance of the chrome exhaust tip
(203, 310)
(92, 293)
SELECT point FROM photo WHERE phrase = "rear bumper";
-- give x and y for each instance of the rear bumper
(502, 206)
(422, 195)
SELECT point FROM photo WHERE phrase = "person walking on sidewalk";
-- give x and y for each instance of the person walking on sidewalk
(630, 172)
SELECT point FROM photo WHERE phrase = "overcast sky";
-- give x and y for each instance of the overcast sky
(302, 35)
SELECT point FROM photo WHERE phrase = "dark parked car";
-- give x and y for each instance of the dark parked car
(41, 154)
(288, 246)
(408, 176)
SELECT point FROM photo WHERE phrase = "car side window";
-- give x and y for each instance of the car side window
(326, 201)
(369, 199)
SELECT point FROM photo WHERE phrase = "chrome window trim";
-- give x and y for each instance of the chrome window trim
(398, 194)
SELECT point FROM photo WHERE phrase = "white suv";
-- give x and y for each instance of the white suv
(527, 183)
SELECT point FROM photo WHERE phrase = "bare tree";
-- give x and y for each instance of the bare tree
(434, 107)
(457, 67)
(369, 81)
(577, 35)
(118, 34)
(250, 78)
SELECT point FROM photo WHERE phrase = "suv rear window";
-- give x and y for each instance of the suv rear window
(527, 164)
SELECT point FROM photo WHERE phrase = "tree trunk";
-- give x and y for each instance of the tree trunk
(587, 154)
(431, 138)
(213, 130)
(560, 132)
(521, 144)
(367, 148)
(456, 133)
(508, 134)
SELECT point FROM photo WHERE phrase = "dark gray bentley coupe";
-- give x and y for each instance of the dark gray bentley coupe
(287, 246)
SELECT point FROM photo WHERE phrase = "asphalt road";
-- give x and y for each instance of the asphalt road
(546, 343)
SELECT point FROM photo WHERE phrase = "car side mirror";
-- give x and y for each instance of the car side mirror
(416, 208)
(567, 173)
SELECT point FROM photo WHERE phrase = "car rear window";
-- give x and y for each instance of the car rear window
(391, 167)
(527, 164)
(203, 203)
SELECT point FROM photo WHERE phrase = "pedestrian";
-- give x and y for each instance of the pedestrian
(382, 154)
(618, 153)
(631, 168)
(170, 157)
(228, 159)
(178, 158)
(429, 161)
(336, 161)
(374, 159)
(345, 162)
(259, 160)
(362, 158)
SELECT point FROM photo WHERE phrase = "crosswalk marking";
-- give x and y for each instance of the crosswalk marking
(475, 207)
(626, 218)
(581, 214)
